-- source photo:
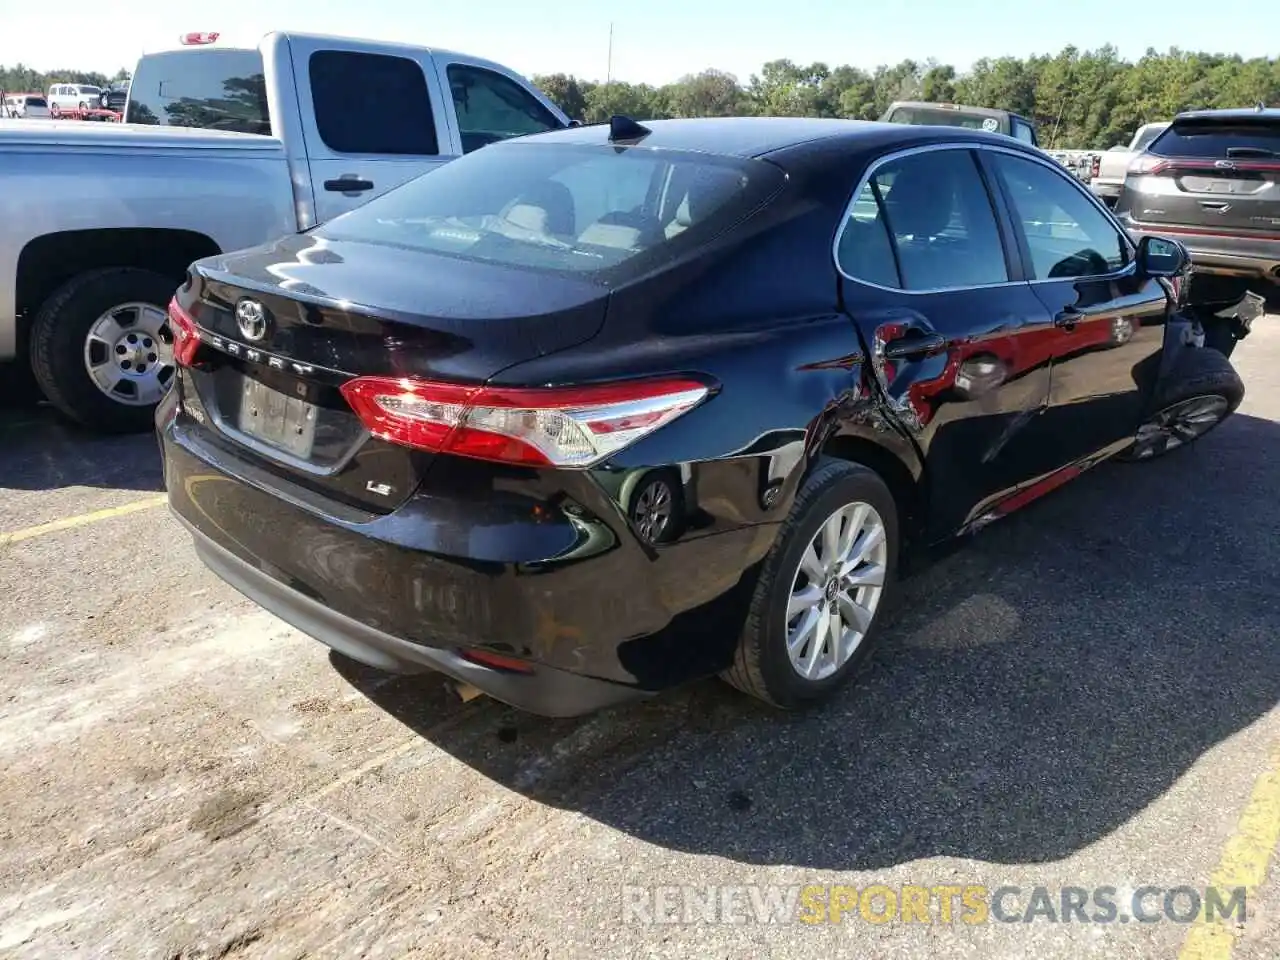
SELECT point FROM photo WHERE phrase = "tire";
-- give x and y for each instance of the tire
(762, 666)
(58, 338)
(1200, 392)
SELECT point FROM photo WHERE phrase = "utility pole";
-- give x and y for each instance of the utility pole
(608, 73)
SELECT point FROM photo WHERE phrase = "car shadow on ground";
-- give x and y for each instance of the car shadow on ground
(1033, 692)
(41, 450)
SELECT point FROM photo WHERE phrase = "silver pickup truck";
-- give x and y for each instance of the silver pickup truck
(221, 149)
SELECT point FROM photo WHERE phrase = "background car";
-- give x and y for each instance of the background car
(958, 115)
(26, 106)
(1212, 179)
(74, 96)
(587, 414)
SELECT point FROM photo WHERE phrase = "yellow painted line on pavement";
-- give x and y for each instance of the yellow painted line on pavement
(1244, 863)
(67, 523)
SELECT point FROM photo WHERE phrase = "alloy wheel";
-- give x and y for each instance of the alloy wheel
(128, 353)
(652, 511)
(1179, 424)
(836, 590)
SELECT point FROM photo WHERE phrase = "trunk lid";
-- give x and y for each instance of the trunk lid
(265, 386)
(1215, 175)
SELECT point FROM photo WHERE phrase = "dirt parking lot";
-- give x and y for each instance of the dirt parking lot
(1084, 696)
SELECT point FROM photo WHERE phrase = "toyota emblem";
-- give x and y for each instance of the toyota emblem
(251, 317)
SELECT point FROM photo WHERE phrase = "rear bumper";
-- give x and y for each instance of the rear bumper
(549, 573)
(1223, 254)
(546, 691)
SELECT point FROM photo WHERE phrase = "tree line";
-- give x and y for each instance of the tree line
(1079, 100)
(24, 79)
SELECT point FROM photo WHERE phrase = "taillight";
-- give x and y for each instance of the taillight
(185, 333)
(198, 39)
(551, 426)
(1146, 163)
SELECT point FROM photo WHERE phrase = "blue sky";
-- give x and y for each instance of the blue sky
(654, 40)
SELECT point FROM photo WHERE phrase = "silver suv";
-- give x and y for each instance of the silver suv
(1213, 181)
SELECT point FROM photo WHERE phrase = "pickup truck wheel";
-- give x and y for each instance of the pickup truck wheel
(1201, 391)
(102, 351)
(815, 612)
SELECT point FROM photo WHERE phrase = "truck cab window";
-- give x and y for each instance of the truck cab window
(207, 89)
(492, 107)
(371, 103)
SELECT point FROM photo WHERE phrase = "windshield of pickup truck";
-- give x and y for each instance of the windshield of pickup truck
(563, 208)
(208, 89)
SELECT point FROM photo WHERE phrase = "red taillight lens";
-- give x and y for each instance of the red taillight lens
(1146, 163)
(198, 39)
(552, 426)
(185, 333)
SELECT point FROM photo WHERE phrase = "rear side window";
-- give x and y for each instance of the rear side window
(37, 102)
(565, 208)
(1218, 140)
(934, 212)
(372, 103)
(209, 89)
(1022, 131)
(492, 107)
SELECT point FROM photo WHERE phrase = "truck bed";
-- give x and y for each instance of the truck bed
(126, 137)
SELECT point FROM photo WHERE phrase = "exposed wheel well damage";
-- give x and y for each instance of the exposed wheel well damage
(907, 490)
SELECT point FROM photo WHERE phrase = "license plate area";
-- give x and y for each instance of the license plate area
(282, 422)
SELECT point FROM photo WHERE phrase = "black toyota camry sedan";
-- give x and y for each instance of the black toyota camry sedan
(584, 415)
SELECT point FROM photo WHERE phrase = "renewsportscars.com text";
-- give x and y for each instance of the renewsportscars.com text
(877, 903)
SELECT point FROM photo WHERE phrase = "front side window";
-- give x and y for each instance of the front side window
(1022, 131)
(207, 89)
(1067, 235)
(371, 103)
(564, 208)
(491, 107)
(930, 212)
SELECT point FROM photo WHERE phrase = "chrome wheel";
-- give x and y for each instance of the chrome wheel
(652, 512)
(1179, 424)
(836, 590)
(129, 354)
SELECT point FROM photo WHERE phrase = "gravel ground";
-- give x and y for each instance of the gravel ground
(1085, 695)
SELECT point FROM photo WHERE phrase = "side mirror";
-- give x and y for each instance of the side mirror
(575, 123)
(1161, 257)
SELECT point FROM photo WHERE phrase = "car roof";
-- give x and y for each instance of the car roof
(751, 137)
(1238, 113)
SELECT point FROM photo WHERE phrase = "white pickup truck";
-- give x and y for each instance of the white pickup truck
(221, 149)
(1113, 164)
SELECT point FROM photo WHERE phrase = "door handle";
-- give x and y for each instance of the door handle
(913, 345)
(1214, 204)
(1068, 319)
(348, 184)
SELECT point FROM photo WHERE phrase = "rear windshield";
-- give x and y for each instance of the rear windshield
(561, 207)
(923, 116)
(209, 89)
(1218, 140)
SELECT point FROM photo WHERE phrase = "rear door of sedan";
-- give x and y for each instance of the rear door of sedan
(959, 342)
